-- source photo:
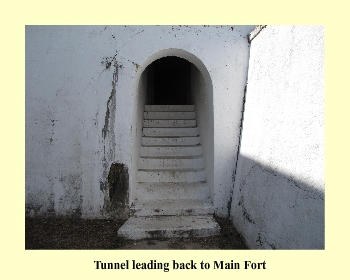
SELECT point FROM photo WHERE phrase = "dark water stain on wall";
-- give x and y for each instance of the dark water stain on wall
(118, 184)
(114, 182)
(117, 191)
(108, 140)
(108, 127)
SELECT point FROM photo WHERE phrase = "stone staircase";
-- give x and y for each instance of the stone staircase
(172, 197)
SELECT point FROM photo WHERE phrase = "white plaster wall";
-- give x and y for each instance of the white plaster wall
(67, 90)
(202, 94)
(80, 114)
(141, 96)
(278, 196)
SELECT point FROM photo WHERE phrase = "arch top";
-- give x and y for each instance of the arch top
(178, 53)
(201, 95)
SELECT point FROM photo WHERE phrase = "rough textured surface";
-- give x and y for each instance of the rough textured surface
(278, 195)
(85, 96)
(118, 190)
(169, 211)
(101, 234)
(169, 226)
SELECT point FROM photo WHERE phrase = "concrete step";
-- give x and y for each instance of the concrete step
(171, 176)
(169, 123)
(171, 108)
(169, 115)
(170, 141)
(171, 198)
(157, 191)
(190, 151)
(170, 132)
(158, 227)
(166, 207)
(171, 163)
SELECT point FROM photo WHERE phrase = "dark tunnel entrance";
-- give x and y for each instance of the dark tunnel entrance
(169, 82)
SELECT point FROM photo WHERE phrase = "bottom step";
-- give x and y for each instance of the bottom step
(169, 227)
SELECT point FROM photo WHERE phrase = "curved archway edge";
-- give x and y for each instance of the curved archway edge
(203, 100)
(174, 52)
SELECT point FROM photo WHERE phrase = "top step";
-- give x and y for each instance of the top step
(169, 108)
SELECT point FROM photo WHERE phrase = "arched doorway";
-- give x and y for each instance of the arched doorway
(172, 173)
(197, 85)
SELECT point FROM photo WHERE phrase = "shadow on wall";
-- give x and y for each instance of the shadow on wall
(275, 210)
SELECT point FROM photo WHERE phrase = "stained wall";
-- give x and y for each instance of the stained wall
(278, 195)
(84, 98)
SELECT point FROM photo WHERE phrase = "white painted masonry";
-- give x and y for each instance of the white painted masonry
(278, 196)
(85, 95)
(86, 90)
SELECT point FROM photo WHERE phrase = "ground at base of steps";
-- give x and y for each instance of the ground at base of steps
(53, 233)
